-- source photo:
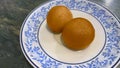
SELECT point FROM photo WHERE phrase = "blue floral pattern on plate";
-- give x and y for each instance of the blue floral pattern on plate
(109, 56)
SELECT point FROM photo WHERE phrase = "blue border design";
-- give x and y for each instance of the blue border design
(38, 7)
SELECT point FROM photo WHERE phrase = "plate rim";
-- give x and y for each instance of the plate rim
(22, 26)
(20, 37)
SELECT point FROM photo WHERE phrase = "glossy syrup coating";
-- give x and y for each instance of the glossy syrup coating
(57, 17)
(78, 34)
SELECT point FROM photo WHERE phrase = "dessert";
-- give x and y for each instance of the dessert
(78, 34)
(57, 17)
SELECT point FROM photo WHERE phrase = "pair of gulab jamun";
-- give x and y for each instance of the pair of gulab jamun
(77, 33)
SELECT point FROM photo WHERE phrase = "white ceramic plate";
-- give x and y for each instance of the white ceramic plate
(44, 49)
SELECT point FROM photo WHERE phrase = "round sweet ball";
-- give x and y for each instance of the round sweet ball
(78, 34)
(57, 17)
